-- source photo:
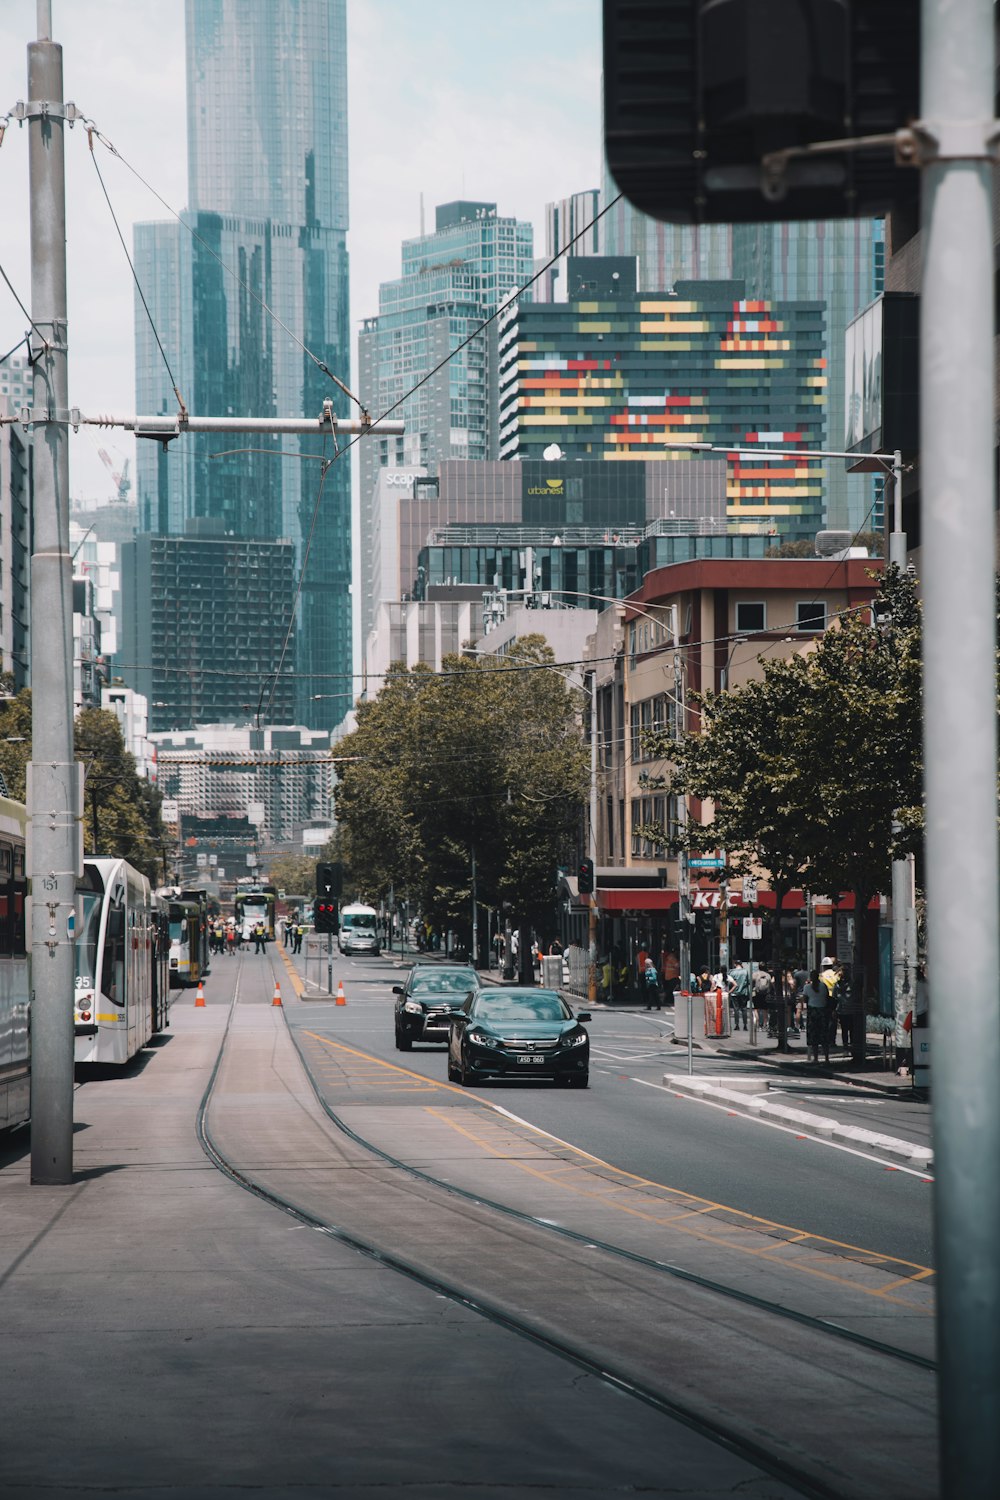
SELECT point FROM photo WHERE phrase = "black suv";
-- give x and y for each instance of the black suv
(428, 999)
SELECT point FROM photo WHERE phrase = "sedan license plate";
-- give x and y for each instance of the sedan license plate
(533, 1058)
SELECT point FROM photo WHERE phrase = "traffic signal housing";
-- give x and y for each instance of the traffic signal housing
(585, 877)
(325, 915)
(698, 92)
(329, 879)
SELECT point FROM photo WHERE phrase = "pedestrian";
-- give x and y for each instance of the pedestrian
(651, 984)
(815, 997)
(829, 978)
(640, 964)
(800, 978)
(258, 937)
(231, 939)
(555, 948)
(761, 995)
(297, 937)
(286, 931)
(739, 995)
(703, 984)
(607, 979)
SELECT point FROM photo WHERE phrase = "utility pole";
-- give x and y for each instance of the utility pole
(903, 890)
(475, 914)
(53, 776)
(592, 845)
(957, 151)
(683, 877)
(55, 797)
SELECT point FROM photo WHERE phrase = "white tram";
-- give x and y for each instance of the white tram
(122, 985)
(15, 1046)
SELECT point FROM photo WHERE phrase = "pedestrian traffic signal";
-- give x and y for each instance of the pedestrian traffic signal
(585, 877)
(329, 879)
(325, 916)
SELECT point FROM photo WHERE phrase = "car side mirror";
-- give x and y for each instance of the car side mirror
(584, 1015)
(397, 989)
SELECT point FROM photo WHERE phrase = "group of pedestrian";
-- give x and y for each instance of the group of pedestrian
(224, 936)
(822, 994)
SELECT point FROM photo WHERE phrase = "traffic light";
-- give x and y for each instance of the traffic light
(329, 879)
(706, 923)
(698, 92)
(585, 877)
(325, 916)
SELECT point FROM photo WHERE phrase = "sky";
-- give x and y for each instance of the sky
(447, 98)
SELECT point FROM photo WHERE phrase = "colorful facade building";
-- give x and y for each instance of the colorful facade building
(619, 375)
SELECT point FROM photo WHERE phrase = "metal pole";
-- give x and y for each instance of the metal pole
(960, 742)
(690, 1006)
(53, 795)
(329, 963)
(683, 877)
(592, 846)
(903, 896)
(475, 914)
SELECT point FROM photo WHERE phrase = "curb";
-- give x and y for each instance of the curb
(750, 1098)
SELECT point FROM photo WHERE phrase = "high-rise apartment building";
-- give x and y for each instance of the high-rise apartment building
(203, 621)
(262, 244)
(839, 262)
(452, 280)
(616, 374)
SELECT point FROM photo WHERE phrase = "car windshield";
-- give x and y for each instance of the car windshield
(358, 921)
(503, 1008)
(448, 982)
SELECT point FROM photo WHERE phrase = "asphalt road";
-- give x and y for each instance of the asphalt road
(630, 1119)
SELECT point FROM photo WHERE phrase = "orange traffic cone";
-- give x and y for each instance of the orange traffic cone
(277, 994)
(199, 999)
(341, 997)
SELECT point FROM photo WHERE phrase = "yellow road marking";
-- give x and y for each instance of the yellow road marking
(700, 1206)
(293, 974)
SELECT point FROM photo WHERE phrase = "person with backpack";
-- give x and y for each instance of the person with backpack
(761, 995)
(740, 995)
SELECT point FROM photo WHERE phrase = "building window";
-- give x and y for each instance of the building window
(751, 617)
(810, 614)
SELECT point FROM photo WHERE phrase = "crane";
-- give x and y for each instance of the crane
(121, 478)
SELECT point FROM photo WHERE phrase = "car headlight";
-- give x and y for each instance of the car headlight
(575, 1039)
(479, 1038)
(414, 1008)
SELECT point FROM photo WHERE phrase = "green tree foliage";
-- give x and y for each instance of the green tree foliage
(121, 806)
(121, 810)
(485, 756)
(295, 873)
(807, 766)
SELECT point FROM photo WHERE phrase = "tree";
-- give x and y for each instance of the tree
(121, 809)
(486, 759)
(295, 873)
(807, 768)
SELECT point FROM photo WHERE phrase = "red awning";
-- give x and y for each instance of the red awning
(656, 898)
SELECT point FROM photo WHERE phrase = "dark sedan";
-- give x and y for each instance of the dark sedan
(427, 1001)
(522, 1033)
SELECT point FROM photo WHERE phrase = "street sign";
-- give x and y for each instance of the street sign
(749, 890)
(712, 863)
(753, 929)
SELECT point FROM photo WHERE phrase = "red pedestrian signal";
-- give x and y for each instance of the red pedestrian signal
(325, 916)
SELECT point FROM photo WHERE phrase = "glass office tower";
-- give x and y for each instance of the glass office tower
(262, 244)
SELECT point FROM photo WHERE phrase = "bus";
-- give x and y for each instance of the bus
(15, 1041)
(184, 918)
(122, 963)
(358, 929)
(252, 905)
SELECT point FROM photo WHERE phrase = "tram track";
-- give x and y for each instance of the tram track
(474, 1214)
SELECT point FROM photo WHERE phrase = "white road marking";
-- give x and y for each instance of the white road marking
(789, 1130)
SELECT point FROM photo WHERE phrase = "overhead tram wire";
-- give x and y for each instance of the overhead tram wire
(93, 132)
(138, 285)
(34, 326)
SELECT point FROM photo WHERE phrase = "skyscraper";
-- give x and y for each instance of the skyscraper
(452, 280)
(250, 297)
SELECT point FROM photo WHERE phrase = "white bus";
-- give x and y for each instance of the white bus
(358, 929)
